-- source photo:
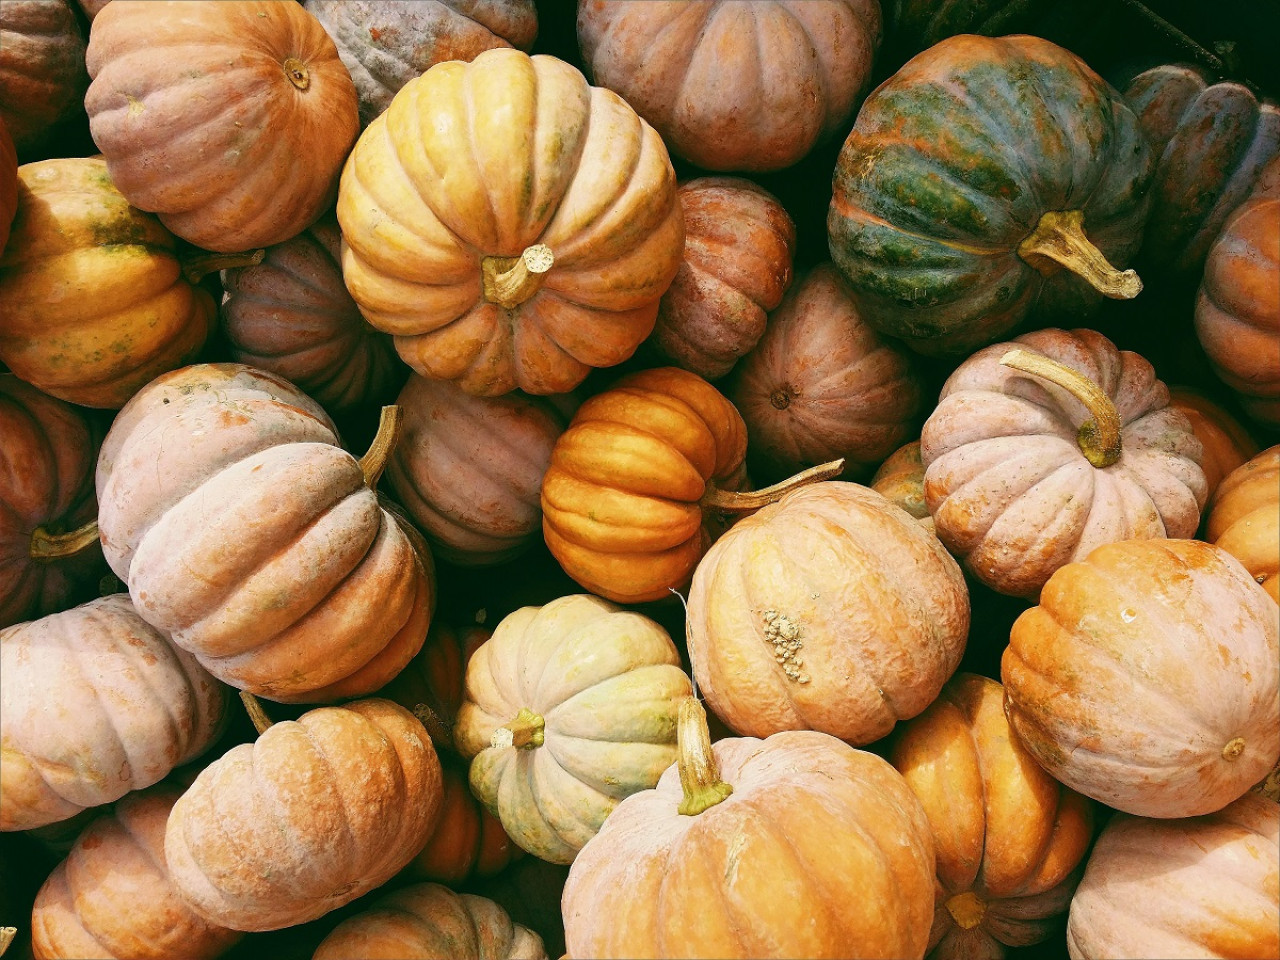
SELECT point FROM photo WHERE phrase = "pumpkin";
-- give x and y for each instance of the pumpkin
(1226, 442)
(1204, 887)
(48, 544)
(1043, 448)
(794, 846)
(822, 383)
(830, 610)
(1244, 518)
(1237, 313)
(95, 300)
(526, 240)
(292, 315)
(313, 814)
(246, 534)
(229, 120)
(430, 686)
(385, 45)
(734, 86)
(8, 183)
(42, 74)
(1211, 141)
(948, 237)
(111, 896)
(95, 703)
(1148, 678)
(469, 469)
(900, 480)
(569, 708)
(1008, 837)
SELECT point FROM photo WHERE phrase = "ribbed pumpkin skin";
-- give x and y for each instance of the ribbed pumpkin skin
(292, 315)
(8, 183)
(930, 201)
(1202, 887)
(608, 685)
(1011, 493)
(428, 920)
(1244, 518)
(621, 507)
(878, 609)
(467, 841)
(1211, 142)
(95, 704)
(522, 152)
(1226, 442)
(822, 383)
(42, 73)
(1004, 831)
(820, 851)
(315, 813)
(251, 538)
(734, 86)
(385, 45)
(900, 479)
(193, 106)
(95, 304)
(1148, 678)
(111, 896)
(1238, 310)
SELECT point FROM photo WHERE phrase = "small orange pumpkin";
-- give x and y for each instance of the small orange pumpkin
(1244, 518)
(900, 479)
(1226, 442)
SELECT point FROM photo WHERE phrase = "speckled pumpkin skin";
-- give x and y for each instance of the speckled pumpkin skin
(1244, 518)
(931, 198)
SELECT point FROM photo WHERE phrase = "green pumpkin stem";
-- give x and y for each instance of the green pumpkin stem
(525, 732)
(55, 546)
(1099, 438)
(1059, 238)
(198, 265)
(261, 722)
(510, 281)
(375, 459)
(733, 501)
(699, 773)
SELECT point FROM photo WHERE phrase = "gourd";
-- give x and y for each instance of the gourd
(1244, 518)
(1226, 442)
(900, 479)
(42, 73)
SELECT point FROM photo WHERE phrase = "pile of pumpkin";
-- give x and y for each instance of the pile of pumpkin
(784, 511)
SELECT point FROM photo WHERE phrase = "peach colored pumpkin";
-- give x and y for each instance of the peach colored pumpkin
(525, 240)
(42, 74)
(1148, 678)
(95, 703)
(111, 896)
(900, 479)
(830, 610)
(1244, 518)
(1226, 442)
(1207, 886)
(315, 813)
(1009, 839)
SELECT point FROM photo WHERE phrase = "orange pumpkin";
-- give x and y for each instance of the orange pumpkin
(431, 685)
(525, 239)
(1226, 442)
(42, 77)
(8, 183)
(1244, 518)
(900, 480)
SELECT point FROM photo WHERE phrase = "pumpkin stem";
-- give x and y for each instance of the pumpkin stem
(54, 546)
(261, 722)
(510, 281)
(731, 501)
(297, 73)
(524, 732)
(967, 909)
(375, 459)
(6, 937)
(699, 773)
(437, 728)
(1233, 749)
(1099, 438)
(1059, 240)
(197, 266)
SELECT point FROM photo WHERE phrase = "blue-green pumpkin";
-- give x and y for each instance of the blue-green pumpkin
(988, 180)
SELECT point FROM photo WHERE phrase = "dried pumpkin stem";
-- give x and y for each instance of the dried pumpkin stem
(261, 722)
(1233, 749)
(197, 266)
(699, 773)
(966, 909)
(297, 72)
(525, 732)
(439, 731)
(1059, 238)
(54, 546)
(1099, 438)
(510, 281)
(6, 937)
(734, 501)
(375, 459)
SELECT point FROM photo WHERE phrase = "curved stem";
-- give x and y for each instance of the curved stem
(197, 266)
(439, 731)
(261, 722)
(1059, 238)
(510, 281)
(525, 732)
(6, 937)
(733, 501)
(1099, 438)
(54, 546)
(699, 773)
(375, 459)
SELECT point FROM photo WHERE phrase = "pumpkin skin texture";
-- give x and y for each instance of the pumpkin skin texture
(931, 207)
(446, 234)
(1201, 887)
(569, 708)
(385, 45)
(900, 479)
(428, 920)
(111, 896)
(876, 608)
(735, 86)
(1237, 315)
(8, 183)
(204, 111)
(1211, 141)
(292, 315)
(42, 73)
(1008, 838)
(315, 813)
(1011, 489)
(96, 703)
(1244, 518)
(1179, 631)
(319, 596)
(823, 384)
(1226, 442)
(94, 301)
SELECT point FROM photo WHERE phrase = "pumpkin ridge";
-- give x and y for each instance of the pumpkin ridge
(860, 214)
(663, 110)
(133, 655)
(330, 777)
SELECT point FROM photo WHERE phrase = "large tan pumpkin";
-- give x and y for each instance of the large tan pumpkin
(42, 75)
(511, 225)
(1244, 518)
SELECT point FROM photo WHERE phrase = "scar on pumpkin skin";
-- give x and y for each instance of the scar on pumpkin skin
(784, 633)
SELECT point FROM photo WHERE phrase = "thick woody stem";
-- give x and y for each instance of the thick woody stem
(6, 937)
(254, 709)
(1059, 238)
(1099, 438)
(510, 281)
(198, 266)
(439, 731)
(733, 501)
(375, 459)
(699, 773)
(524, 732)
(54, 546)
